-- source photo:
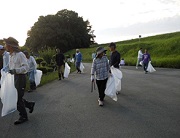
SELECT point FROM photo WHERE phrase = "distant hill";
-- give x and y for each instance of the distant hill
(164, 50)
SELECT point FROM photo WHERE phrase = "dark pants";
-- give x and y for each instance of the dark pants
(20, 84)
(78, 66)
(101, 84)
(145, 65)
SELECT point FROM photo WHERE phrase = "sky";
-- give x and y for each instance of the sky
(111, 20)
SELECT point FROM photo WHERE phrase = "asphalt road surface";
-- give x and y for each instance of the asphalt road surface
(148, 106)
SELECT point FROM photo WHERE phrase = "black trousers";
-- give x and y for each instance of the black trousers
(20, 85)
(101, 84)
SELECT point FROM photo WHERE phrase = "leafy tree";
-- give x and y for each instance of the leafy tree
(64, 30)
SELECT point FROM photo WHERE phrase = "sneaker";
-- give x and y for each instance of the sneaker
(31, 109)
(30, 90)
(100, 102)
(21, 120)
(136, 67)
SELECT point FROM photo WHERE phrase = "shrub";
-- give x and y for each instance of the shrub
(39, 60)
(43, 63)
(43, 69)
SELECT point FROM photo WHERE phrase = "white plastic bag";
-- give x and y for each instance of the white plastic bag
(150, 67)
(66, 70)
(8, 94)
(81, 67)
(38, 76)
(117, 77)
(110, 88)
(141, 63)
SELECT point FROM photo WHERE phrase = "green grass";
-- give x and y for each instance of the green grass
(164, 50)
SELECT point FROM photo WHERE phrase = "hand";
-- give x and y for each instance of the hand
(92, 78)
(13, 71)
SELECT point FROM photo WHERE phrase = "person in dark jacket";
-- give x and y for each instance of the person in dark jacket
(60, 63)
(115, 56)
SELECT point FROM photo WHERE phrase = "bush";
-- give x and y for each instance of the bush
(39, 60)
(43, 69)
(43, 63)
(47, 55)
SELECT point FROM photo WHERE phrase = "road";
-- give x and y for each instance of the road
(148, 106)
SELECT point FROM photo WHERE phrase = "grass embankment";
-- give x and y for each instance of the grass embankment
(164, 50)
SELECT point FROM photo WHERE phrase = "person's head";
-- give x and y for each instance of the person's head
(11, 44)
(145, 51)
(140, 49)
(112, 46)
(26, 53)
(2, 49)
(77, 50)
(58, 50)
(100, 52)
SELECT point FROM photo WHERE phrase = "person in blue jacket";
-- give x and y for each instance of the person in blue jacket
(78, 60)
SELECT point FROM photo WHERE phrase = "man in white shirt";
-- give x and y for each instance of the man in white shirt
(18, 67)
(139, 58)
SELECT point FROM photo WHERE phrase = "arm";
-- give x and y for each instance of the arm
(24, 65)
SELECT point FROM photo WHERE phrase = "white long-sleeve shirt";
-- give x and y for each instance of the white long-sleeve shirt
(32, 64)
(5, 60)
(18, 61)
(140, 54)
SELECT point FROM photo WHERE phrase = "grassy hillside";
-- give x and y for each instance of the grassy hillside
(164, 50)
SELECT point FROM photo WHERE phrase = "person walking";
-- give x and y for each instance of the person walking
(5, 55)
(78, 59)
(32, 70)
(60, 63)
(139, 58)
(100, 69)
(115, 56)
(146, 58)
(18, 67)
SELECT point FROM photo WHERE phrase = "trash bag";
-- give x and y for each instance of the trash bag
(8, 94)
(117, 77)
(110, 88)
(141, 63)
(81, 67)
(150, 67)
(66, 70)
(38, 76)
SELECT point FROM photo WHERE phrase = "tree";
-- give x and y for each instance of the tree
(64, 30)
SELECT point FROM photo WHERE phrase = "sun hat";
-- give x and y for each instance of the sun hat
(11, 41)
(100, 50)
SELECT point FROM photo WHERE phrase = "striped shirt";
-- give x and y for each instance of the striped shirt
(100, 67)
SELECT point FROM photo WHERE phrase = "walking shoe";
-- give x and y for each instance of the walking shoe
(21, 120)
(30, 90)
(100, 102)
(31, 109)
(136, 67)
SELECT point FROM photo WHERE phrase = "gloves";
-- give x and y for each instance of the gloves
(13, 71)
(92, 78)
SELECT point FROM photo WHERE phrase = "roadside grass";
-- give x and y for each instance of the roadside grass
(164, 50)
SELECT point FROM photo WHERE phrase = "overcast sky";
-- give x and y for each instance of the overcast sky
(112, 20)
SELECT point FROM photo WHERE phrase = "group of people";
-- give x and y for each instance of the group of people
(19, 64)
(143, 59)
(101, 68)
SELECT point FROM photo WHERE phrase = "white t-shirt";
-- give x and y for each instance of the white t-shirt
(140, 54)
